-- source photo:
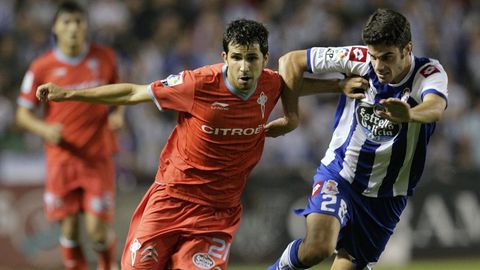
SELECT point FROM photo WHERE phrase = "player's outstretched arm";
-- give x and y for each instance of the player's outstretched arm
(430, 110)
(115, 94)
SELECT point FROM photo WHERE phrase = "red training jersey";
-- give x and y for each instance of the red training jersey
(219, 136)
(85, 126)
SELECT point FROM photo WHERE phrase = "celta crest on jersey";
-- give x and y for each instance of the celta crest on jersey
(173, 80)
(262, 100)
(134, 247)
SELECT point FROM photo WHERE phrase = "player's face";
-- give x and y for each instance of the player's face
(390, 63)
(70, 30)
(245, 64)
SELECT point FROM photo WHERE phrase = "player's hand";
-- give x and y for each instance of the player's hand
(395, 110)
(354, 87)
(50, 91)
(52, 133)
(279, 127)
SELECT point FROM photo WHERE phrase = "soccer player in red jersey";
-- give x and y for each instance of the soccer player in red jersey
(189, 216)
(79, 142)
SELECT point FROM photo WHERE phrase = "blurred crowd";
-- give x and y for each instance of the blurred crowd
(155, 38)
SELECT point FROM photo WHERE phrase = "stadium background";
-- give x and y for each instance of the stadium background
(155, 38)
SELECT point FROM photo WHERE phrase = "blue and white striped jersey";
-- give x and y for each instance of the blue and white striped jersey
(378, 157)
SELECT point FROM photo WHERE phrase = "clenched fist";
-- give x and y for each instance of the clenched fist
(50, 91)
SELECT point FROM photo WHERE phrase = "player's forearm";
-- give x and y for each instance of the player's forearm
(115, 94)
(313, 86)
(428, 111)
(28, 121)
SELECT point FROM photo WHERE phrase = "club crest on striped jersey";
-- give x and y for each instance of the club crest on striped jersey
(376, 128)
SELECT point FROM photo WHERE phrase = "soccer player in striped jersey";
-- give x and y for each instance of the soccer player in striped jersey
(189, 216)
(378, 147)
(79, 141)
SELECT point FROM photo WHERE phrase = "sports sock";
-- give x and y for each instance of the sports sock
(73, 258)
(289, 259)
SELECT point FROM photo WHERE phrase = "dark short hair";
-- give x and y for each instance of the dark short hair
(246, 32)
(68, 6)
(386, 26)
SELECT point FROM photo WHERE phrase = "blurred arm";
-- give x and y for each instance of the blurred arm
(51, 133)
(114, 94)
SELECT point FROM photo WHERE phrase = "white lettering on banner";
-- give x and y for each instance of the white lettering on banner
(437, 224)
(468, 209)
(232, 131)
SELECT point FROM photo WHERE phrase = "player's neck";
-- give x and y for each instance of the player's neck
(71, 51)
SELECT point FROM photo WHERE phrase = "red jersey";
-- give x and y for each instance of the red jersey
(85, 126)
(219, 136)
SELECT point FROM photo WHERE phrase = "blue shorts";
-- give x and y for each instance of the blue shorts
(366, 223)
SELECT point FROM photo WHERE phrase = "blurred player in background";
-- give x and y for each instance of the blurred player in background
(78, 137)
(189, 216)
(378, 148)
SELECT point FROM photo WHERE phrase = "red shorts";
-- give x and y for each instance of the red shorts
(168, 233)
(77, 186)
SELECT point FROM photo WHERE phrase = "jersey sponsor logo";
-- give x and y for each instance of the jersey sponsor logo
(203, 261)
(376, 129)
(134, 247)
(358, 54)
(59, 72)
(173, 80)
(429, 70)
(149, 253)
(232, 131)
(219, 106)
(317, 188)
(262, 100)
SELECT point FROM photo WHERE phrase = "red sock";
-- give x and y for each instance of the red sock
(73, 258)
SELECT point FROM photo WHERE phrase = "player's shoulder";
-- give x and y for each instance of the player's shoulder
(102, 52)
(429, 68)
(43, 61)
(270, 75)
(208, 73)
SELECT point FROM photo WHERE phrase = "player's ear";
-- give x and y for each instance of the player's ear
(265, 59)
(224, 56)
(409, 48)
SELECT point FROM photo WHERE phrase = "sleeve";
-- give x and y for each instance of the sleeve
(349, 60)
(28, 89)
(435, 80)
(176, 92)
